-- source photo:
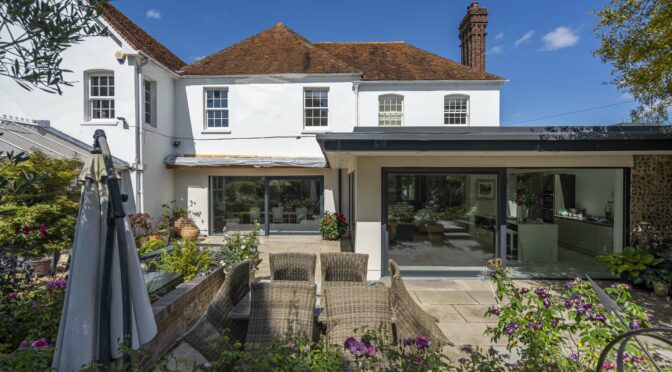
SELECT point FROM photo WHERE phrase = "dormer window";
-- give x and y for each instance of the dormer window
(456, 110)
(390, 110)
(101, 96)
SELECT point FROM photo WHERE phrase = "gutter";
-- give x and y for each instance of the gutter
(139, 133)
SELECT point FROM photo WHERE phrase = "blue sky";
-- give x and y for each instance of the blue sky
(543, 47)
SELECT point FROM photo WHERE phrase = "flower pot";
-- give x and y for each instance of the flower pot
(41, 266)
(179, 223)
(392, 231)
(154, 237)
(190, 232)
(660, 289)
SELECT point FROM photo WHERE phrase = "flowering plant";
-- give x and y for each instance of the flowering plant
(565, 331)
(333, 225)
(239, 247)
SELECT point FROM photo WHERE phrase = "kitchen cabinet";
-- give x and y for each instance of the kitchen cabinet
(538, 242)
(586, 237)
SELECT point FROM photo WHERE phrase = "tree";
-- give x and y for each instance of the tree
(636, 38)
(34, 34)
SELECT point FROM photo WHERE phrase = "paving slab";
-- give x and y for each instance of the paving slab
(483, 297)
(472, 334)
(474, 313)
(445, 313)
(444, 297)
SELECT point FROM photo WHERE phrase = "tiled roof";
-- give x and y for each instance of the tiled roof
(401, 61)
(139, 39)
(277, 50)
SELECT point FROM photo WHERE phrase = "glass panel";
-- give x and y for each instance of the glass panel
(236, 202)
(294, 204)
(559, 220)
(441, 221)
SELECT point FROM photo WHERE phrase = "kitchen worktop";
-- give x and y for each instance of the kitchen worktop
(607, 223)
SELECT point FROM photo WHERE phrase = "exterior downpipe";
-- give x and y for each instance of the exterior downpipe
(139, 133)
(355, 87)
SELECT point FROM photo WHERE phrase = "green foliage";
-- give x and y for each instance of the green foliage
(41, 199)
(291, 355)
(426, 216)
(333, 225)
(36, 33)
(631, 261)
(401, 212)
(635, 38)
(239, 247)
(151, 246)
(661, 273)
(562, 333)
(185, 258)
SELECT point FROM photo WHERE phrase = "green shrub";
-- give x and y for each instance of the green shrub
(185, 258)
(151, 246)
(402, 212)
(426, 216)
(239, 247)
(333, 225)
(631, 261)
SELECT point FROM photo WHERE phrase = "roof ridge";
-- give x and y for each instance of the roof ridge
(360, 42)
(456, 63)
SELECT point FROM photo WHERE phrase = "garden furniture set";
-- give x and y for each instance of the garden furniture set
(292, 306)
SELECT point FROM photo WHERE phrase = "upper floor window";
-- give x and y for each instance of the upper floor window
(456, 110)
(316, 107)
(217, 107)
(149, 100)
(390, 110)
(101, 96)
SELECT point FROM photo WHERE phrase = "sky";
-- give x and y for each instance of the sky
(544, 48)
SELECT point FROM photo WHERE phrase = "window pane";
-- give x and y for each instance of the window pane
(456, 110)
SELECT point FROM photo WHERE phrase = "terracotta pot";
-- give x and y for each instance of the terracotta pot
(154, 237)
(660, 289)
(179, 223)
(190, 232)
(41, 266)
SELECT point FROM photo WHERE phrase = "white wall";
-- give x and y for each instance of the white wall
(423, 102)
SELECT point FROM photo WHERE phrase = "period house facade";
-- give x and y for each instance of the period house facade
(407, 144)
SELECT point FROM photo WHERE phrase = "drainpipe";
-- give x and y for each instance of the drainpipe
(139, 132)
(355, 87)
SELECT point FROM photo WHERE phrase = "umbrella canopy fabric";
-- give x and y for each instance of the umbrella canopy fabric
(77, 342)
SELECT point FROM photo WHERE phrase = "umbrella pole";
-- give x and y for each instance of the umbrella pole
(115, 223)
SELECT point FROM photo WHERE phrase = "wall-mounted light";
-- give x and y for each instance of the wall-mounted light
(176, 143)
(123, 120)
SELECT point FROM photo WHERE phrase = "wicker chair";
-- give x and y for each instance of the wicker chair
(216, 322)
(293, 266)
(410, 320)
(281, 310)
(356, 307)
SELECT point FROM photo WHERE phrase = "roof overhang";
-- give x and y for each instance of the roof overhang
(241, 161)
(393, 141)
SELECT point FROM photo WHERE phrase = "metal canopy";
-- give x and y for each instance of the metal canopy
(256, 162)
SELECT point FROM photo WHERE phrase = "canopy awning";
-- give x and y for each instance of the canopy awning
(242, 161)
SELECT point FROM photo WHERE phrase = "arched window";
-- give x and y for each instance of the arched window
(390, 110)
(100, 95)
(456, 110)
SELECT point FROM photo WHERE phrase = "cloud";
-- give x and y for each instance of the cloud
(153, 14)
(194, 59)
(497, 49)
(561, 37)
(526, 36)
(499, 35)
(626, 96)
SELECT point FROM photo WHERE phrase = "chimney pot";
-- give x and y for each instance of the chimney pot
(472, 36)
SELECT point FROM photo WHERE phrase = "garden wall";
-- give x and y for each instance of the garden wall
(651, 193)
(177, 311)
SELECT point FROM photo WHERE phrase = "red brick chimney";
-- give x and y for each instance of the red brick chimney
(472, 36)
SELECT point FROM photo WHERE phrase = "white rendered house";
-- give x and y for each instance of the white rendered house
(407, 144)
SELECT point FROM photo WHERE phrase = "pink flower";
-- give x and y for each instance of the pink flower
(608, 365)
(24, 345)
(39, 343)
(418, 361)
(25, 230)
(13, 295)
(43, 231)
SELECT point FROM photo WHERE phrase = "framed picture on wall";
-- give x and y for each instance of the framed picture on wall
(485, 189)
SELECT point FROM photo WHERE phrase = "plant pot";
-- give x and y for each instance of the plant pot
(41, 266)
(154, 237)
(190, 232)
(392, 231)
(179, 223)
(660, 289)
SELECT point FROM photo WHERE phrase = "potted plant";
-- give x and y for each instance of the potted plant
(33, 245)
(426, 221)
(658, 278)
(403, 216)
(333, 225)
(629, 263)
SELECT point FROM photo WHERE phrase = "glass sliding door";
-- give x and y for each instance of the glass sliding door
(441, 221)
(236, 203)
(295, 204)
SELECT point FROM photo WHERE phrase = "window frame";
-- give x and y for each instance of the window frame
(467, 111)
(401, 113)
(90, 98)
(152, 102)
(306, 108)
(206, 109)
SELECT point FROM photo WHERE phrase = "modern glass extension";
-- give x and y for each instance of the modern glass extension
(279, 204)
(544, 222)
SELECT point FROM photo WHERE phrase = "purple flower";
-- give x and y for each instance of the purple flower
(59, 284)
(494, 311)
(408, 341)
(24, 345)
(634, 325)
(541, 292)
(554, 323)
(524, 290)
(25, 230)
(574, 357)
(648, 318)
(511, 328)
(39, 343)
(418, 361)
(534, 326)
(43, 231)
(547, 303)
(422, 342)
(568, 304)
(462, 360)
(352, 345)
(608, 365)
(581, 310)
(13, 295)
(601, 318)
(371, 350)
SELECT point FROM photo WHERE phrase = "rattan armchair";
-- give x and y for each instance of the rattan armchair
(292, 266)
(216, 322)
(410, 320)
(343, 267)
(281, 310)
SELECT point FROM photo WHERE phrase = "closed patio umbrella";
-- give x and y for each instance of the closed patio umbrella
(106, 301)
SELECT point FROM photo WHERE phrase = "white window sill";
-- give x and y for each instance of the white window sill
(216, 131)
(316, 130)
(105, 122)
